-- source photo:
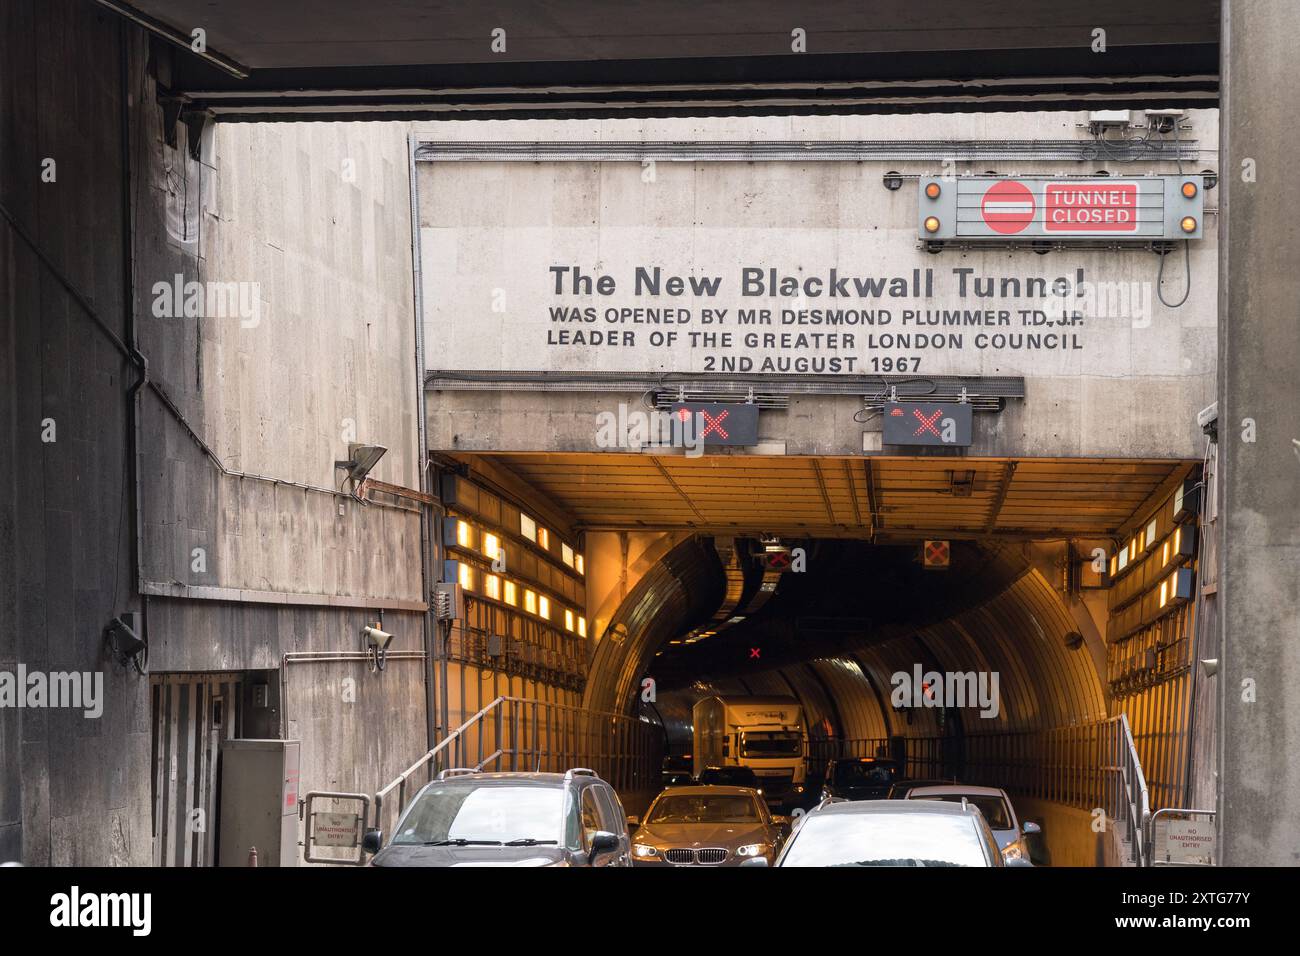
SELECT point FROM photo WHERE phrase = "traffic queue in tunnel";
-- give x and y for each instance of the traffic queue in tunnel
(747, 795)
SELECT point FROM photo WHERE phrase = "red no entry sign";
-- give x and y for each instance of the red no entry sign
(1008, 206)
(936, 554)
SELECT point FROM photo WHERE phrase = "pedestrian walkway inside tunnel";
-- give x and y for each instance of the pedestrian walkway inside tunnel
(1017, 624)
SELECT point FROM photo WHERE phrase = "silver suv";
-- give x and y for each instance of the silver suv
(469, 818)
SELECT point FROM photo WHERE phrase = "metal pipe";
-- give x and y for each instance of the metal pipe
(422, 460)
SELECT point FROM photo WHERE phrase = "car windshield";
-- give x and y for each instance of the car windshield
(730, 776)
(705, 808)
(771, 745)
(858, 774)
(894, 839)
(483, 815)
(996, 812)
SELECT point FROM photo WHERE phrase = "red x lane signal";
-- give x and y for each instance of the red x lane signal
(753, 653)
(927, 422)
(712, 425)
(936, 555)
(717, 423)
(778, 560)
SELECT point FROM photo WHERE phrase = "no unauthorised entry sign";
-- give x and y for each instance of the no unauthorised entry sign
(1008, 206)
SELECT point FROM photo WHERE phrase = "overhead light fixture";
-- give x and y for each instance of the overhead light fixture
(361, 460)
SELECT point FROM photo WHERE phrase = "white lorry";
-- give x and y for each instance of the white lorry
(766, 734)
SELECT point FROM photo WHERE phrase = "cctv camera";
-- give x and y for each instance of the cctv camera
(127, 646)
(376, 638)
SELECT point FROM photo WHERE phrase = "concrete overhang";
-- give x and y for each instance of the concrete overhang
(879, 497)
(299, 59)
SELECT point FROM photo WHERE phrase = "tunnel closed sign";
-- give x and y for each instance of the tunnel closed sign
(1094, 207)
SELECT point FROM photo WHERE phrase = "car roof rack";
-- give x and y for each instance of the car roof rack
(456, 772)
(579, 772)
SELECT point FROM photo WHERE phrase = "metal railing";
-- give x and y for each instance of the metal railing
(519, 734)
(1086, 766)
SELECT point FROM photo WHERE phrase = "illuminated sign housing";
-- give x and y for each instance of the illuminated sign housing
(719, 423)
(927, 423)
(1061, 208)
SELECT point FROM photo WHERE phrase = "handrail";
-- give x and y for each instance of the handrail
(1138, 799)
(1088, 766)
(566, 730)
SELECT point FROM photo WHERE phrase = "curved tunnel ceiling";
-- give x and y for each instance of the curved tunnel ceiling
(834, 635)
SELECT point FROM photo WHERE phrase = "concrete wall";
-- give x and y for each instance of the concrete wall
(72, 790)
(1259, 391)
(314, 219)
(491, 230)
(287, 564)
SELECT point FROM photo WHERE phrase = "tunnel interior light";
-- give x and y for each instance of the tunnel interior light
(580, 564)
(544, 606)
(1188, 224)
(527, 527)
(1189, 189)
(932, 190)
(462, 533)
(566, 554)
(544, 539)
(931, 223)
(530, 601)
(568, 620)
(1123, 557)
(1150, 533)
(1113, 560)
(1178, 539)
(511, 594)
(465, 574)
(582, 627)
(491, 544)
(1164, 554)
(492, 586)
(1164, 593)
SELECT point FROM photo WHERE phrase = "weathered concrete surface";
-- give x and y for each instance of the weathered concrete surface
(334, 341)
(72, 790)
(491, 231)
(311, 221)
(1259, 391)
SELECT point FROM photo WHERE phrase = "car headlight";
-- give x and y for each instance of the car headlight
(644, 850)
(752, 849)
(1014, 851)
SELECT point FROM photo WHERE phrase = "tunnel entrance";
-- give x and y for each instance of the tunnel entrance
(986, 620)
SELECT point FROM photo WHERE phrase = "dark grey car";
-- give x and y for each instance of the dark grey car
(468, 818)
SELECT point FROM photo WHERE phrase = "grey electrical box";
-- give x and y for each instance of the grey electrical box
(259, 802)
